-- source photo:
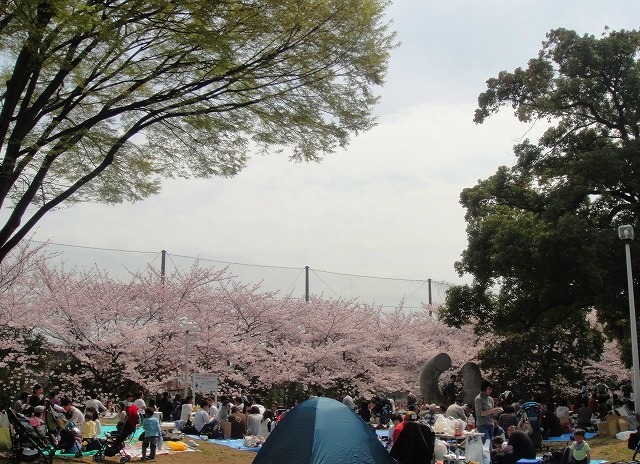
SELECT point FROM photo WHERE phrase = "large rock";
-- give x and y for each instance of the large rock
(429, 378)
(472, 379)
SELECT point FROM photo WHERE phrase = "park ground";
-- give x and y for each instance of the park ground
(609, 449)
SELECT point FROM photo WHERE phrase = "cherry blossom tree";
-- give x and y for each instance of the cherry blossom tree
(21, 361)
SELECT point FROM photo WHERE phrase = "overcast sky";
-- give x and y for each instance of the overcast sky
(386, 206)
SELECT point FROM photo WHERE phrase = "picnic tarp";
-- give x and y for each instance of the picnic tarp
(322, 431)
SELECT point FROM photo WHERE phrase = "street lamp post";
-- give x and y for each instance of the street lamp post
(186, 363)
(626, 234)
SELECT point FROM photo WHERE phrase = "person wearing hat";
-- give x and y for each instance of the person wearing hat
(37, 420)
(408, 416)
(430, 417)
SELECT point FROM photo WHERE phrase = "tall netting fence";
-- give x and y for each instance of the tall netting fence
(286, 281)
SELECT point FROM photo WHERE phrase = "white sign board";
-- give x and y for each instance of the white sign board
(205, 383)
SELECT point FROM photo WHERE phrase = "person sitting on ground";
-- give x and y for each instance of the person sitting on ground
(202, 423)
(225, 410)
(395, 420)
(430, 417)
(96, 419)
(508, 417)
(496, 446)
(187, 409)
(253, 421)
(584, 416)
(71, 412)
(94, 403)
(89, 433)
(267, 423)
(238, 423)
(518, 447)
(36, 398)
(549, 423)
(408, 416)
(458, 411)
(579, 451)
(37, 421)
(213, 408)
(177, 407)
(415, 444)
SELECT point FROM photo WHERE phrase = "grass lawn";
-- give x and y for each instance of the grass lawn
(608, 449)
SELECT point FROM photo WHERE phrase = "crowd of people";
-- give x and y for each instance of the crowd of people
(504, 421)
(500, 419)
(241, 415)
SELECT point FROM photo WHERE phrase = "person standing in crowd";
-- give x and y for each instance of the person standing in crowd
(626, 389)
(412, 400)
(165, 406)
(177, 407)
(450, 391)
(139, 402)
(152, 433)
(485, 411)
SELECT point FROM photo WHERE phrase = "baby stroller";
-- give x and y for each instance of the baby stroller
(70, 440)
(532, 412)
(28, 444)
(114, 444)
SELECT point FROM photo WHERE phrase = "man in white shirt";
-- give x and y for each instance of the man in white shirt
(140, 403)
(201, 419)
(70, 411)
(94, 403)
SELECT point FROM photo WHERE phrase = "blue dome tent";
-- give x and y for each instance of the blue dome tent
(322, 431)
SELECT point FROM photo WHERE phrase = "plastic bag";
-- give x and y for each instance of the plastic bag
(474, 449)
(486, 451)
(443, 425)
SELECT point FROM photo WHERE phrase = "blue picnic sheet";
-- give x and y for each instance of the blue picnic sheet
(235, 444)
(567, 437)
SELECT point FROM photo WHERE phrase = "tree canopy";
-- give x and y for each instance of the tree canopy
(104, 98)
(542, 242)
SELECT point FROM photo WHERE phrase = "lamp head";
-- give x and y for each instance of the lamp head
(625, 232)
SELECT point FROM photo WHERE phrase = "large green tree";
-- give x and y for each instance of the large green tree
(102, 98)
(542, 242)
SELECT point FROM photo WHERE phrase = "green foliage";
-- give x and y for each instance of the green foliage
(542, 242)
(103, 99)
(542, 362)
